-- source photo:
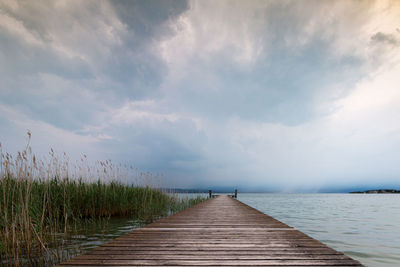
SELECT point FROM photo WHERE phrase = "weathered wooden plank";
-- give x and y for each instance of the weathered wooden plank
(317, 254)
(226, 246)
(210, 257)
(215, 229)
(210, 250)
(104, 265)
(219, 232)
(178, 262)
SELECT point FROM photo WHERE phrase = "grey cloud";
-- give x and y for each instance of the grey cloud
(73, 56)
(380, 37)
(135, 65)
(280, 85)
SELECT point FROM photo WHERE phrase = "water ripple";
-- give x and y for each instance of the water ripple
(365, 227)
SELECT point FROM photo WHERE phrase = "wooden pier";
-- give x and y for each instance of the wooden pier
(221, 231)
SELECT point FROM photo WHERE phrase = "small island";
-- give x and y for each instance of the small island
(377, 191)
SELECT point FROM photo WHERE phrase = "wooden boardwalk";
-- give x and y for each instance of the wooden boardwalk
(221, 231)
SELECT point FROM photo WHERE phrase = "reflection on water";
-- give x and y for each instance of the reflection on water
(364, 226)
(96, 232)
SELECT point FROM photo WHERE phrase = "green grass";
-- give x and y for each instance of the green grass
(37, 215)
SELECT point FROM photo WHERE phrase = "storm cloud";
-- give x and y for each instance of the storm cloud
(286, 95)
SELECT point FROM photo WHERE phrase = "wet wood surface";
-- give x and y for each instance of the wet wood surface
(221, 231)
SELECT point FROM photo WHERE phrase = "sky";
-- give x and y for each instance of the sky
(258, 95)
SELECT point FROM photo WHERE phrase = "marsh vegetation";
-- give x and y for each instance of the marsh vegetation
(44, 203)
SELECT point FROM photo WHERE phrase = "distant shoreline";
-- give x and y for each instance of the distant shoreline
(224, 191)
(377, 191)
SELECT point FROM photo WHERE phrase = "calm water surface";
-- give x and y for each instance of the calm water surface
(98, 232)
(364, 226)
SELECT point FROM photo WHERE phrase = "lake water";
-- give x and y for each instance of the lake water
(95, 233)
(365, 227)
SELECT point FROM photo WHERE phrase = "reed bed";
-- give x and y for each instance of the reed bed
(44, 202)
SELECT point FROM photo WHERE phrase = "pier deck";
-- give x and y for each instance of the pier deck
(221, 231)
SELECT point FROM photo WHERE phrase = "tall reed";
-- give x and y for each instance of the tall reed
(43, 202)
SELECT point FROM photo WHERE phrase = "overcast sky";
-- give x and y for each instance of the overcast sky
(291, 95)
